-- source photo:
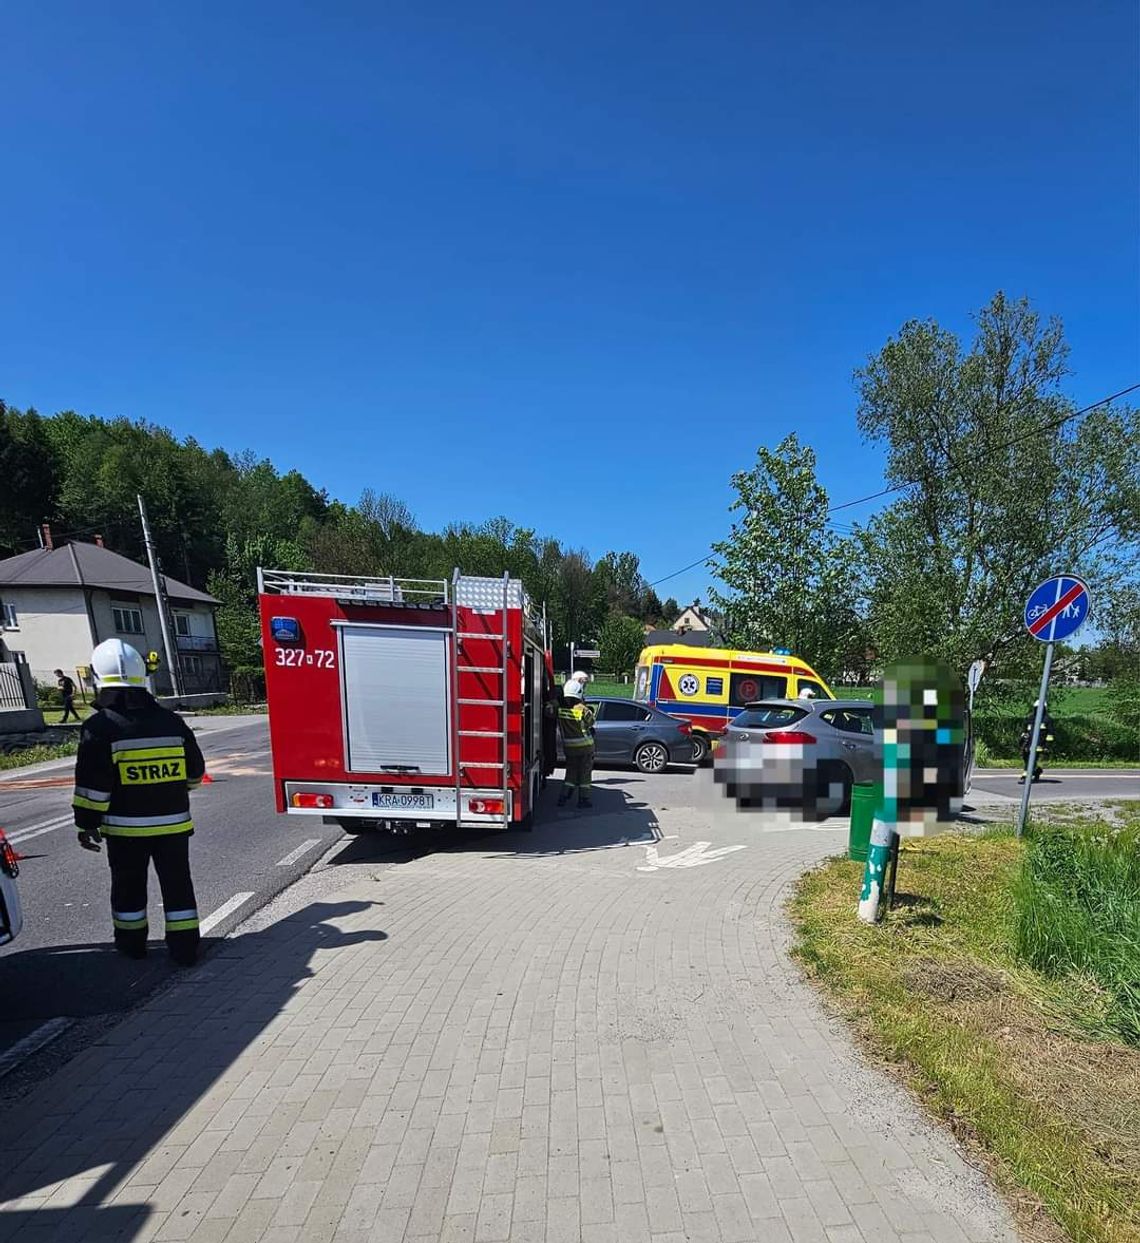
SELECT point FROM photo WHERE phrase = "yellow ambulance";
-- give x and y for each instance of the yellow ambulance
(709, 686)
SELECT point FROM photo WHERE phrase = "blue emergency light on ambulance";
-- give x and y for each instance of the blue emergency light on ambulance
(285, 629)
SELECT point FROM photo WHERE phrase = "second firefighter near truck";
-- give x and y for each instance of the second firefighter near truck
(576, 722)
(136, 765)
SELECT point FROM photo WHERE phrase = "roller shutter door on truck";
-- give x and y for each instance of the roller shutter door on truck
(396, 699)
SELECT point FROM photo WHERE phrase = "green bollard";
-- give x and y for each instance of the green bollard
(883, 829)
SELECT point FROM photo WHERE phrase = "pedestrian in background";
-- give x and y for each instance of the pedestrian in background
(67, 695)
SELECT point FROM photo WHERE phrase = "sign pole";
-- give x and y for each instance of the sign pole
(1032, 765)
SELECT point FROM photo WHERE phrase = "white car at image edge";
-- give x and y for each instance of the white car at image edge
(11, 916)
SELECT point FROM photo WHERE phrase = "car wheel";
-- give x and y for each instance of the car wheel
(651, 757)
(837, 774)
(700, 749)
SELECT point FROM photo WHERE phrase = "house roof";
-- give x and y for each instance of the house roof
(88, 565)
(691, 638)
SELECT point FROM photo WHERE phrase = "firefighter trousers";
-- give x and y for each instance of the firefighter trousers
(579, 771)
(130, 859)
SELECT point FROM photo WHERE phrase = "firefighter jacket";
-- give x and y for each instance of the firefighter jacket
(136, 765)
(576, 720)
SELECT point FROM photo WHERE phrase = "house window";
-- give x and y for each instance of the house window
(182, 625)
(191, 666)
(127, 620)
(8, 617)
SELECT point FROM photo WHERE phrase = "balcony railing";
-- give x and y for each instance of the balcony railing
(195, 643)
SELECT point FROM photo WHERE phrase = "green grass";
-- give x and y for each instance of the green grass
(1078, 912)
(1068, 701)
(36, 755)
(611, 690)
(1028, 1065)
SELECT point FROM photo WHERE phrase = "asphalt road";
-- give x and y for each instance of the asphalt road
(1060, 784)
(242, 854)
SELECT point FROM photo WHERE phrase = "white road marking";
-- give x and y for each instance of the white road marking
(294, 855)
(32, 1043)
(693, 857)
(227, 908)
(34, 830)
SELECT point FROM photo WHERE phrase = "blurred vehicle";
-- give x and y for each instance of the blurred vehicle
(11, 916)
(633, 733)
(826, 745)
(710, 686)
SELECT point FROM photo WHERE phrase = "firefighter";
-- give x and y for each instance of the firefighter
(576, 721)
(1043, 741)
(137, 763)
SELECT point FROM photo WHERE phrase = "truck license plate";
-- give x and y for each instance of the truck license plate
(404, 802)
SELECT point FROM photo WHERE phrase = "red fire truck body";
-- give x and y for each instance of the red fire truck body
(397, 703)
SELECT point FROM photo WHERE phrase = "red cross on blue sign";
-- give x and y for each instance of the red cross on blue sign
(1057, 608)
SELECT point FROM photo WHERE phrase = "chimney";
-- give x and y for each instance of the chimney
(98, 541)
(46, 530)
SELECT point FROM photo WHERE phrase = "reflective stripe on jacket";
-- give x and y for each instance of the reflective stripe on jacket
(576, 721)
(136, 765)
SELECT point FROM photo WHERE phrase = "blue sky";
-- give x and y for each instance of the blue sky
(476, 254)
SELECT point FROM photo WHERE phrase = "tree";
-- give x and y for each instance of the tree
(235, 586)
(1001, 487)
(29, 470)
(620, 643)
(786, 572)
(670, 611)
(619, 582)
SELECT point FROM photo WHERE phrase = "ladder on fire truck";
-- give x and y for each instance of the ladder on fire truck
(487, 595)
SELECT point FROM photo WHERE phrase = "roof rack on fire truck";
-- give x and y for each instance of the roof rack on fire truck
(421, 593)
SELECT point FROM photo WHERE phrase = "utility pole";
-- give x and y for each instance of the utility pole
(161, 602)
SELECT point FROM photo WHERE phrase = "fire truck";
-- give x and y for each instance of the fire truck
(400, 704)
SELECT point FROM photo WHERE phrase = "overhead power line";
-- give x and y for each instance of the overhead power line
(1049, 426)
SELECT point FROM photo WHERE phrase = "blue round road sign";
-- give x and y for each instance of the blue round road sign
(1057, 608)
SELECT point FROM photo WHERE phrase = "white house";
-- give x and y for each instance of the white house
(56, 604)
(693, 618)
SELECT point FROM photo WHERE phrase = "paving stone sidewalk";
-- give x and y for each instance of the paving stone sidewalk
(538, 1037)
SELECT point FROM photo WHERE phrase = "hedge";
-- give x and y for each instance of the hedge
(1075, 737)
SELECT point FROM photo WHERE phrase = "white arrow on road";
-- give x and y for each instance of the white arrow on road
(697, 854)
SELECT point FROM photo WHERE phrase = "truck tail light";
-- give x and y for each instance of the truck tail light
(486, 806)
(792, 736)
(8, 857)
(323, 801)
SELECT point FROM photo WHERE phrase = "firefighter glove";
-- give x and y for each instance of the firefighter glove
(89, 839)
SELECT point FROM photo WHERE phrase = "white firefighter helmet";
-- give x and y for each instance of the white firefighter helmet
(807, 693)
(573, 689)
(115, 663)
(580, 676)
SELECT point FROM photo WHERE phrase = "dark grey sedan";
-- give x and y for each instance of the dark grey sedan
(633, 733)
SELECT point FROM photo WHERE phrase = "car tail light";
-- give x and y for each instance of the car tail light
(486, 806)
(792, 736)
(8, 864)
(323, 801)
(686, 727)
